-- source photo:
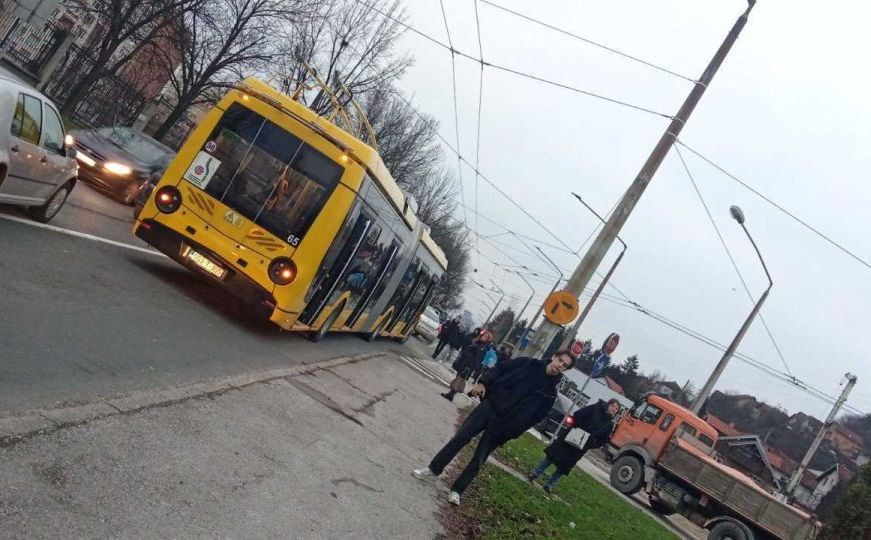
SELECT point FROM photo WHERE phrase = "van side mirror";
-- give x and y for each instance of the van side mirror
(70, 152)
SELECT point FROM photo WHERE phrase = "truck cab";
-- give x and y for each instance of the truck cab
(648, 428)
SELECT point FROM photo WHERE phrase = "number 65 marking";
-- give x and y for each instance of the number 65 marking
(293, 240)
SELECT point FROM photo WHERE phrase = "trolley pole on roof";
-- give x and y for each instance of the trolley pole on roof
(593, 257)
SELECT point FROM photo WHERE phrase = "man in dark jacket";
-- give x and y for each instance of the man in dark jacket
(515, 395)
(597, 420)
(448, 334)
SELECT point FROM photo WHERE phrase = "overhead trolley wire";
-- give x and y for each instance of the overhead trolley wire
(456, 109)
(794, 217)
(480, 102)
(589, 41)
(513, 71)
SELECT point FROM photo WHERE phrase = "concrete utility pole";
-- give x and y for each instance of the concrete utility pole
(796, 476)
(594, 255)
(733, 346)
(573, 333)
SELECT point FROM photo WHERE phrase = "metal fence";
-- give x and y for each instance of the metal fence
(115, 99)
(28, 47)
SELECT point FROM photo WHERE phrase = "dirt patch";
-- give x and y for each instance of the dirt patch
(54, 474)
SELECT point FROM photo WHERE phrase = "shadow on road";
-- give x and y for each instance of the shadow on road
(244, 316)
(197, 288)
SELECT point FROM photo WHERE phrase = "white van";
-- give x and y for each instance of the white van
(37, 168)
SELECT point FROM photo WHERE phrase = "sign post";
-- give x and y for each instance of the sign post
(603, 360)
(561, 307)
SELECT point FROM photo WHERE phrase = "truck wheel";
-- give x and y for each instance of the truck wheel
(661, 508)
(727, 530)
(627, 474)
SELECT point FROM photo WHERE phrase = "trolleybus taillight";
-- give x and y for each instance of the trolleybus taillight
(167, 199)
(282, 271)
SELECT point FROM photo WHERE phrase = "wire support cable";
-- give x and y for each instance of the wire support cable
(731, 258)
(589, 41)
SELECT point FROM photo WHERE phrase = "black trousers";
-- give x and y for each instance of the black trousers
(439, 347)
(475, 423)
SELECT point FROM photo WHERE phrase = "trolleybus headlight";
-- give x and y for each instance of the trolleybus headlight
(282, 271)
(167, 199)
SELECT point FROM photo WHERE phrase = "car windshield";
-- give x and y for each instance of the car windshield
(431, 313)
(143, 147)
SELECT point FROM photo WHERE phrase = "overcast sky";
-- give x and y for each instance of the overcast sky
(788, 113)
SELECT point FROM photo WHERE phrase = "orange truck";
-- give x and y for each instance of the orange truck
(668, 451)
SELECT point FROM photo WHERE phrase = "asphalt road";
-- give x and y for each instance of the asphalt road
(82, 319)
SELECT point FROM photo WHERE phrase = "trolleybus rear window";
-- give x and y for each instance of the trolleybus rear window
(268, 175)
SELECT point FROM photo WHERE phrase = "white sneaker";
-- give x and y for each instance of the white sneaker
(454, 498)
(423, 474)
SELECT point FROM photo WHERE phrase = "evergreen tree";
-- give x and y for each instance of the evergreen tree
(630, 365)
(851, 517)
(500, 324)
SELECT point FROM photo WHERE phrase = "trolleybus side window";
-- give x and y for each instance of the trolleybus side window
(269, 175)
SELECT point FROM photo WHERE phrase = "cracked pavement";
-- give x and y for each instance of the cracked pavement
(325, 454)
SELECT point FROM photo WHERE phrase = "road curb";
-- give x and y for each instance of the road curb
(14, 429)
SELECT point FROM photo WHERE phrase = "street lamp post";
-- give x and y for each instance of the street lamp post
(497, 304)
(519, 313)
(532, 320)
(699, 402)
(572, 334)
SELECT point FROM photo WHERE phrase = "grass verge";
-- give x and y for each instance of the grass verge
(499, 505)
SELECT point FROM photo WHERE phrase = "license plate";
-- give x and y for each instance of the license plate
(207, 265)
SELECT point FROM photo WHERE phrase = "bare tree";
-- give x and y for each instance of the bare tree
(127, 26)
(348, 43)
(406, 139)
(220, 41)
(408, 146)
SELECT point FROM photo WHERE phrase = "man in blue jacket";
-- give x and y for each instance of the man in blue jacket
(515, 395)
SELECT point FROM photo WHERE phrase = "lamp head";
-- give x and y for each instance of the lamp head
(737, 214)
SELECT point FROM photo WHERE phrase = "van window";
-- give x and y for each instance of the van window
(54, 131)
(27, 120)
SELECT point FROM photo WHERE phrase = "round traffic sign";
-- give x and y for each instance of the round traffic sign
(561, 307)
(577, 348)
(611, 342)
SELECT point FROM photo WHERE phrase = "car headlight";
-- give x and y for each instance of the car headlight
(85, 158)
(117, 168)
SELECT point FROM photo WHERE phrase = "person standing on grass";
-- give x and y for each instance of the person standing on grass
(597, 420)
(515, 395)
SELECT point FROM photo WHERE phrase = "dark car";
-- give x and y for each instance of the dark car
(120, 160)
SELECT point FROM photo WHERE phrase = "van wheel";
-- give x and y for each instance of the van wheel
(727, 530)
(316, 337)
(52, 206)
(627, 475)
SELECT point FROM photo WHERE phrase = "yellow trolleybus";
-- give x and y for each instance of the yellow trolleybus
(296, 216)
